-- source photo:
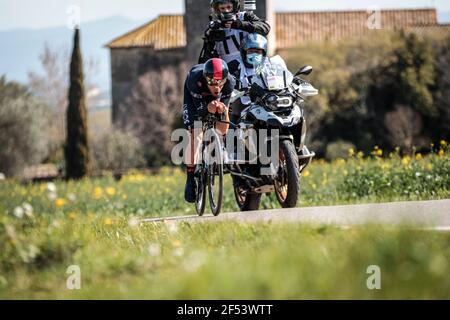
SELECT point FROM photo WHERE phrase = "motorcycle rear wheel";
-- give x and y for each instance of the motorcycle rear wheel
(246, 201)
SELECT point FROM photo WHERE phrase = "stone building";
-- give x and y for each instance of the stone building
(176, 40)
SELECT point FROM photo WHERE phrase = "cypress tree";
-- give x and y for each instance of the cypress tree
(77, 149)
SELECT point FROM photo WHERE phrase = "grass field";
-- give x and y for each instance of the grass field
(94, 223)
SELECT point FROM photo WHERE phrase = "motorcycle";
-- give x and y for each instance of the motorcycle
(277, 106)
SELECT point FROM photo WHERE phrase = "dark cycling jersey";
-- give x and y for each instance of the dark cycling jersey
(197, 95)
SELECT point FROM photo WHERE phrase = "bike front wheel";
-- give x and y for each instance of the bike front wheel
(215, 187)
(200, 199)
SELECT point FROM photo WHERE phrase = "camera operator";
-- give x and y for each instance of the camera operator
(227, 28)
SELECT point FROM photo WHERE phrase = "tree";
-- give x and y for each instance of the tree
(23, 126)
(152, 110)
(117, 151)
(77, 150)
(442, 92)
(53, 84)
(413, 74)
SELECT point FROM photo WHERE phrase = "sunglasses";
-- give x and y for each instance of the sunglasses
(214, 82)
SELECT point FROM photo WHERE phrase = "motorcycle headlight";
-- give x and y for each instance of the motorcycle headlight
(284, 102)
(271, 101)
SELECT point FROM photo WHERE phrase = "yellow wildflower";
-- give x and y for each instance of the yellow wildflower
(419, 156)
(107, 222)
(60, 202)
(306, 173)
(441, 153)
(98, 192)
(406, 160)
(110, 191)
(72, 216)
(177, 243)
(443, 143)
(429, 166)
(351, 152)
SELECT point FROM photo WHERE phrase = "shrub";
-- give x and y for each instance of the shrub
(338, 149)
(117, 151)
(23, 126)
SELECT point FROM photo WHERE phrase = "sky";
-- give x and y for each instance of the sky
(36, 14)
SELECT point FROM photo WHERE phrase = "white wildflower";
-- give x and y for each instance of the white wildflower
(133, 222)
(172, 227)
(18, 212)
(194, 261)
(154, 249)
(2, 176)
(28, 209)
(52, 196)
(72, 197)
(51, 187)
(178, 252)
(55, 224)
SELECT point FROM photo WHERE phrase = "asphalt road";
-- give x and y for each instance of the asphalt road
(425, 214)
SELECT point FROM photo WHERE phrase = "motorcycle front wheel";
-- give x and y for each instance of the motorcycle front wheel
(287, 181)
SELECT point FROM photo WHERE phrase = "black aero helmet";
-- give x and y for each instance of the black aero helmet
(215, 5)
(215, 70)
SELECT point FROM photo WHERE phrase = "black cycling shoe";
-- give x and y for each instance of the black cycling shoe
(189, 189)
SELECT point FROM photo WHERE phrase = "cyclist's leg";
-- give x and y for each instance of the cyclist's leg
(191, 152)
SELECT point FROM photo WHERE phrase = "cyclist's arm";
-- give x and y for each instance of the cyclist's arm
(227, 91)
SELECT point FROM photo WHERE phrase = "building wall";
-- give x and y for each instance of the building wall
(129, 64)
(196, 21)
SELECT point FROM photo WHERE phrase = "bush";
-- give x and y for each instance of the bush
(338, 149)
(24, 138)
(363, 82)
(117, 151)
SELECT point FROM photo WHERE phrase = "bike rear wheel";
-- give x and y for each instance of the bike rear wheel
(215, 187)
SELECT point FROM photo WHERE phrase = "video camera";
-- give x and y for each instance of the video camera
(216, 31)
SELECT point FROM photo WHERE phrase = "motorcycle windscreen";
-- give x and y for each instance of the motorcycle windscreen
(274, 77)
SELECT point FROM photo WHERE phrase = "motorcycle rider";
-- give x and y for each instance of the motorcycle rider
(208, 88)
(235, 26)
(253, 56)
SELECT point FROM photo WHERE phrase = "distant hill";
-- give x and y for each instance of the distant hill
(21, 47)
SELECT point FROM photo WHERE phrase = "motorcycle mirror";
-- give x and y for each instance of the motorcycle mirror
(304, 71)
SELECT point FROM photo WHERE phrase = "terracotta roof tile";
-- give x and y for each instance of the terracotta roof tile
(164, 32)
(292, 28)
